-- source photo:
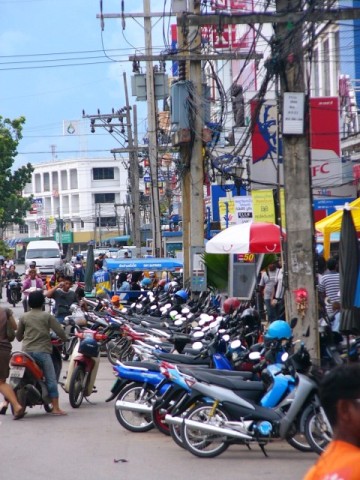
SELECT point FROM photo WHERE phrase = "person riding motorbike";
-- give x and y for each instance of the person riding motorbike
(11, 275)
(34, 331)
(32, 281)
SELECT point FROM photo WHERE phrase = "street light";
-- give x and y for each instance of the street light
(236, 172)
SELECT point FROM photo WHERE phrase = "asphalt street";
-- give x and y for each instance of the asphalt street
(89, 443)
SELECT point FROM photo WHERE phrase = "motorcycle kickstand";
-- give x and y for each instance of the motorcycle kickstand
(262, 446)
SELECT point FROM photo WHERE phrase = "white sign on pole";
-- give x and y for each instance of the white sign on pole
(243, 209)
(293, 113)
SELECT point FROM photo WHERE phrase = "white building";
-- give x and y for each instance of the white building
(88, 194)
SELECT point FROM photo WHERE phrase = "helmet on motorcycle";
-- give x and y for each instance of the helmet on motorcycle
(250, 317)
(32, 264)
(278, 330)
(146, 282)
(231, 304)
(89, 347)
(181, 296)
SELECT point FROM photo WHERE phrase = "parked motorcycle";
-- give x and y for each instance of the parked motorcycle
(209, 427)
(27, 378)
(83, 366)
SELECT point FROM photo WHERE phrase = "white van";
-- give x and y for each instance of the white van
(46, 254)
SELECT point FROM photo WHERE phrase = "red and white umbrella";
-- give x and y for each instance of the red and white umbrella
(256, 237)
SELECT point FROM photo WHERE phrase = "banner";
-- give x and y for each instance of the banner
(263, 206)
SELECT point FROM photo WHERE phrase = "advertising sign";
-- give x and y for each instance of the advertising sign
(36, 206)
(263, 206)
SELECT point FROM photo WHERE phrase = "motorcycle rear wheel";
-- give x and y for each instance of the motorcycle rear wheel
(317, 432)
(158, 418)
(204, 444)
(77, 387)
(134, 421)
(13, 298)
(21, 397)
(175, 433)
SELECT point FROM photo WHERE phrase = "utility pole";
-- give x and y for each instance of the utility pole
(133, 170)
(196, 163)
(299, 246)
(152, 134)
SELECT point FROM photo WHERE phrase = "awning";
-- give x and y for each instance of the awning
(144, 264)
(332, 223)
(120, 239)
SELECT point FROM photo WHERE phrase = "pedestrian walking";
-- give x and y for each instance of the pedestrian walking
(329, 286)
(267, 286)
(7, 318)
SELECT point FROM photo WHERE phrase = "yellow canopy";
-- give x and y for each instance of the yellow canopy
(332, 223)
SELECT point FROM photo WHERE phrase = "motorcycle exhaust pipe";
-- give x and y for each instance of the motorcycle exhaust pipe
(205, 427)
(133, 407)
(173, 420)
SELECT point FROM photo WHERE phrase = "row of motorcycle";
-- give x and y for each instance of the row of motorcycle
(206, 379)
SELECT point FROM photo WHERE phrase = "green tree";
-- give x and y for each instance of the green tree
(13, 206)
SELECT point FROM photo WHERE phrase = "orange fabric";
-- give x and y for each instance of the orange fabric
(340, 461)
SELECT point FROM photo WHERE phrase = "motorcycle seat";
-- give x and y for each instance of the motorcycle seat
(149, 365)
(179, 358)
(220, 373)
(229, 382)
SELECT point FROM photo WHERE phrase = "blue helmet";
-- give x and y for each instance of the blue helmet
(146, 282)
(89, 347)
(278, 330)
(182, 295)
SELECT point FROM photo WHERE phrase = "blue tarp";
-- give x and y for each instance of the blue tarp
(142, 264)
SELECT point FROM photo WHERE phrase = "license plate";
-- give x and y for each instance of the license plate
(17, 372)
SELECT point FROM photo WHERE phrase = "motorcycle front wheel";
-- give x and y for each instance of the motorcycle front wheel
(77, 387)
(132, 420)
(200, 443)
(13, 298)
(317, 431)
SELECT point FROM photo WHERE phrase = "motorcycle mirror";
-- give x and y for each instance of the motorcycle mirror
(167, 306)
(235, 344)
(185, 311)
(226, 338)
(213, 324)
(189, 316)
(198, 334)
(197, 346)
(284, 357)
(206, 329)
(202, 322)
(133, 305)
(178, 323)
(153, 307)
(195, 326)
(254, 356)
(124, 310)
(219, 318)
(204, 316)
(138, 306)
(222, 331)
(293, 322)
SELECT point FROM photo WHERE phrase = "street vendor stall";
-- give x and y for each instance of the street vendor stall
(332, 223)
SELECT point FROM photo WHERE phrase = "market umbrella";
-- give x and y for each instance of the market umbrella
(349, 258)
(89, 270)
(255, 237)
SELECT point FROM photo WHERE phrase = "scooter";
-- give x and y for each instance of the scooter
(27, 378)
(83, 366)
(211, 426)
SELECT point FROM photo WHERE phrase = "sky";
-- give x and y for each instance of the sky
(55, 62)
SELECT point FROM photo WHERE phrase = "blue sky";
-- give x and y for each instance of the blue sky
(48, 33)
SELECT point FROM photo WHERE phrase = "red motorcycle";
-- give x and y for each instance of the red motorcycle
(27, 378)
(83, 366)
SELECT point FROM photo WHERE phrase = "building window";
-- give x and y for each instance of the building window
(106, 222)
(103, 173)
(82, 224)
(104, 197)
